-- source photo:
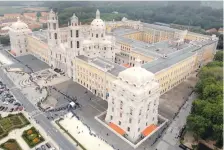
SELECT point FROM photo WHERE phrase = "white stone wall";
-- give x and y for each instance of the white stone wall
(133, 108)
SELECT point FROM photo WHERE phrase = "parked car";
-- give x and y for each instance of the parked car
(48, 145)
(17, 104)
(43, 147)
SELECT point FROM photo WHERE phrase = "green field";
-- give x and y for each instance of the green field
(12, 122)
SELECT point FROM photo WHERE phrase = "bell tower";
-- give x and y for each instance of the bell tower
(53, 29)
(75, 36)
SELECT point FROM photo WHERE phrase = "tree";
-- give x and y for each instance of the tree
(198, 124)
(5, 40)
(219, 56)
(220, 42)
(212, 90)
(38, 14)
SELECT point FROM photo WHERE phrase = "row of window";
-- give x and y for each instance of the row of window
(97, 35)
(181, 69)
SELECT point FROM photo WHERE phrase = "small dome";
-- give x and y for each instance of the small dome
(136, 76)
(19, 25)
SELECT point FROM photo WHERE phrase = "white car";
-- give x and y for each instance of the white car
(5, 103)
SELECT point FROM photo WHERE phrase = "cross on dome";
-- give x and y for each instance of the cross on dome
(97, 14)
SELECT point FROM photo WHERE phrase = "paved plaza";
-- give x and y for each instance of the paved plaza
(171, 101)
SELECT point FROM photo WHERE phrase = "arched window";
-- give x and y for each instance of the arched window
(55, 36)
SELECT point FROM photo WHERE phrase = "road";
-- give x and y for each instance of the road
(63, 143)
(169, 140)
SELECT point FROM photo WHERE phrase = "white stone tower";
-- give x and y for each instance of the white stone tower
(75, 36)
(18, 37)
(53, 29)
(133, 101)
(75, 39)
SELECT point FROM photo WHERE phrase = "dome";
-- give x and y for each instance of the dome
(19, 25)
(97, 24)
(136, 76)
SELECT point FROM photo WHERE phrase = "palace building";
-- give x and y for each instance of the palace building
(127, 63)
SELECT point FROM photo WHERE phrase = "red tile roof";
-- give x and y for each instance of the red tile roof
(149, 129)
(117, 128)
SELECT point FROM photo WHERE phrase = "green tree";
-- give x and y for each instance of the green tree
(5, 40)
(219, 56)
(212, 90)
(198, 125)
(38, 14)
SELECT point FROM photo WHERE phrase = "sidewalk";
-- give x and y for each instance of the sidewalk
(170, 137)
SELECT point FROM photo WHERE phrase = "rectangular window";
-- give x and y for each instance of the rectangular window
(111, 117)
(121, 105)
(71, 44)
(119, 122)
(77, 44)
(140, 112)
(54, 26)
(131, 111)
(130, 120)
(77, 33)
(121, 115)
(128, 128)
(71, 33)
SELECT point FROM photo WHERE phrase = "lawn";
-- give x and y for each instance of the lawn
(12, 122)
(32, 137)
(11, 144)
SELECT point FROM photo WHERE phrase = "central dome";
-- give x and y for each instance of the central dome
(19, 25)
(97, 24)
